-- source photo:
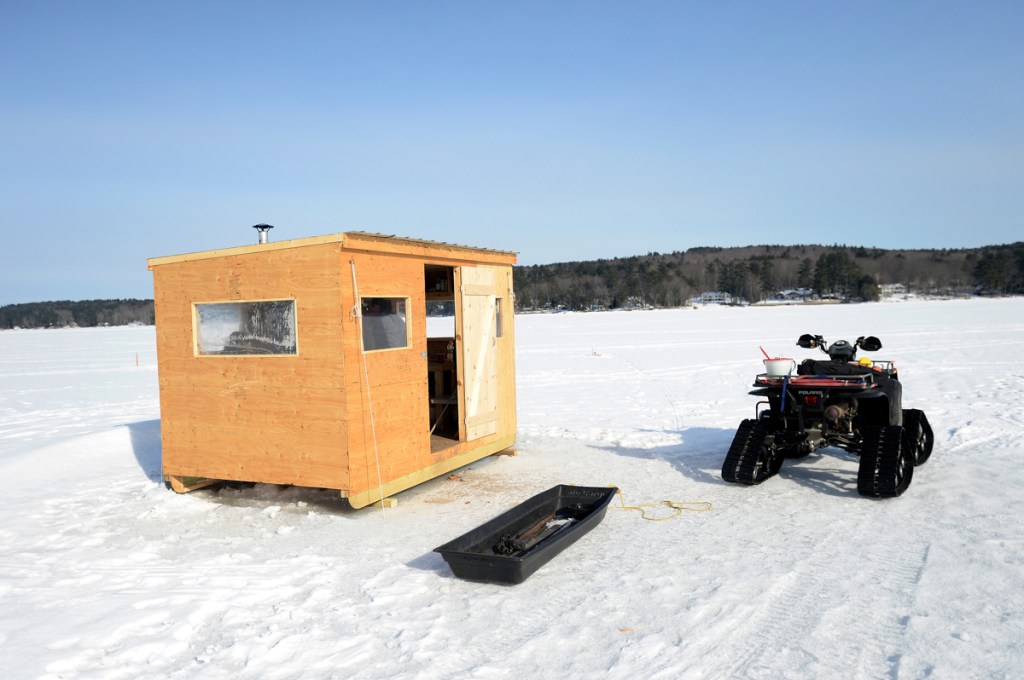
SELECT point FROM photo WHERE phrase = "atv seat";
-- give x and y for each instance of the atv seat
(814, 367)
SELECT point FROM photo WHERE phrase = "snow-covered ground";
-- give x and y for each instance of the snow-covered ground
(104, 573)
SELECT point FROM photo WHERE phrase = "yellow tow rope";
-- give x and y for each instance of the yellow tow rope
(679, 506)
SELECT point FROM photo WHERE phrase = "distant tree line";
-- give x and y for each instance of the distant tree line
(752, 273)
(84, 313)
(757, 273)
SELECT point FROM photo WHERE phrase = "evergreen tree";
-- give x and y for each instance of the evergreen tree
(996, 272)
(805, 274)
(836, 274)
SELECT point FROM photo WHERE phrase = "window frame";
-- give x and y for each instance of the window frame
(196, 348)
(407, 304)
(499, 317)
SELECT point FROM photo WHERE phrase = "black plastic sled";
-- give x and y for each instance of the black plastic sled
(513, 545)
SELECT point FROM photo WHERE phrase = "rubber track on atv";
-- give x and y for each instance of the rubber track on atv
(749, 461)
(886, 462)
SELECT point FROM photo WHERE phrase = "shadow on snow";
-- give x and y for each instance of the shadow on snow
(145, 437)
(700, 454)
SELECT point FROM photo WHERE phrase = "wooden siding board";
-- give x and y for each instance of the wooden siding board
(506, 355)
(252, 456)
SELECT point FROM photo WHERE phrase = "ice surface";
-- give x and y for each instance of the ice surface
(107, 574)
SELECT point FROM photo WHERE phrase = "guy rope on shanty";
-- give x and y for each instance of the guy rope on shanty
(677, 507)
(357, 315)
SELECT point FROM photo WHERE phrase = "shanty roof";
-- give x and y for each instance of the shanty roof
(356, 240)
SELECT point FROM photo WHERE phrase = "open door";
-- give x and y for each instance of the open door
(476, 329)
(442, 378)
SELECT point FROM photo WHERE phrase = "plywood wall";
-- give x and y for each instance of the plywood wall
(398, 383)
(277, 419)
(395, 379)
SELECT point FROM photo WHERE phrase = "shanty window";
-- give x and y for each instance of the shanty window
(246, 328)
(384, 323)
(498, 320)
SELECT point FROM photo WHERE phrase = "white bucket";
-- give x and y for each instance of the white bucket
(779, 368)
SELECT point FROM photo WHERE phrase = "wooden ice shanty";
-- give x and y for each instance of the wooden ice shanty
(313, 362)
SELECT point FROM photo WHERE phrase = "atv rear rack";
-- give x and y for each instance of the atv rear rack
(852, 381)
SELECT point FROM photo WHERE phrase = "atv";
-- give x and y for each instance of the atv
(853, 405)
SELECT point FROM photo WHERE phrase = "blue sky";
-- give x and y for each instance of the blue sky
(560, 130)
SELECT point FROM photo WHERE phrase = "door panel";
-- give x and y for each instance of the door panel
(479, 351)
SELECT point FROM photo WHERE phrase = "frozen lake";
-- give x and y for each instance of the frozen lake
(107, 574)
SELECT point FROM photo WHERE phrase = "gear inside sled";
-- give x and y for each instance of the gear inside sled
(853, 405)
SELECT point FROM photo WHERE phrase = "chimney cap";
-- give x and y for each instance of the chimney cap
(263, 229)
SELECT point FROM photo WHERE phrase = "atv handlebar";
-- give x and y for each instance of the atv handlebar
(808, 341)
(840, 350)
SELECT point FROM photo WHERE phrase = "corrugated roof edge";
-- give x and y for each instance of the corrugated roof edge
(404, 240)
(346, 239)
